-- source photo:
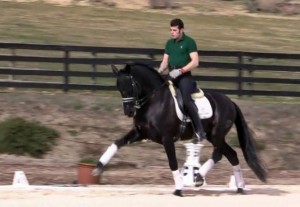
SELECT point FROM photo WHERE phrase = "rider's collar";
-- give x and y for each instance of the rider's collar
(181, 39)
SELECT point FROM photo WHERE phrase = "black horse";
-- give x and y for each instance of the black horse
(147, 98)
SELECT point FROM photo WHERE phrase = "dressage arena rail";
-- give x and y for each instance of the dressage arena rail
(69, 67)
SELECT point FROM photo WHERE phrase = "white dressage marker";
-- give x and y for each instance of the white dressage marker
(20, 179)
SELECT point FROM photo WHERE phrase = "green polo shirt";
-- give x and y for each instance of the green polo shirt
(179, 52)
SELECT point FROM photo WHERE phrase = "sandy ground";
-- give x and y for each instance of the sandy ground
(147, 195)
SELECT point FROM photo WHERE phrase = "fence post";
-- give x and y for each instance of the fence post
(250, 73)
(66, 71)
(94, 67)
(152, 56)
(240, 73)
(13, 64)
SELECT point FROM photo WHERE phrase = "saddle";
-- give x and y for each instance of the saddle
(204, 107)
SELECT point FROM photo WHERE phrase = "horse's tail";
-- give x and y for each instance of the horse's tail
(248, 145)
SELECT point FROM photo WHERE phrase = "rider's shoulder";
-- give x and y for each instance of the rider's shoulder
(189, 38)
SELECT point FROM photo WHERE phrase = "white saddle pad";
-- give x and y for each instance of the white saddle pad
(204, 108)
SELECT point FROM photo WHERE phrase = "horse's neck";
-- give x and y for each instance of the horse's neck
(147, 78)
(150, 86)
(147, 91)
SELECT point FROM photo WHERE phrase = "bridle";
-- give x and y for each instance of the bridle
(139, 102)
(136, 88)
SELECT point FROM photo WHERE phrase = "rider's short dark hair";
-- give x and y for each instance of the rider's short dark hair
(177, 22)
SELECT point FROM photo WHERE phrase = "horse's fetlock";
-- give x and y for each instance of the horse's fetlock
(199, 180)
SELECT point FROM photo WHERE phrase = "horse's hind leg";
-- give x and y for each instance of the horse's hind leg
(209, 164)
(232, 157)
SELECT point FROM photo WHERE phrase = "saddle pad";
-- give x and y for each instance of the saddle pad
(204, 108)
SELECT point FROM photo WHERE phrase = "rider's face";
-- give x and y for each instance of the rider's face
(176, 33)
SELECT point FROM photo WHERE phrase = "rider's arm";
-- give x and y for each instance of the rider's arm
(164, 63)
(193, 63)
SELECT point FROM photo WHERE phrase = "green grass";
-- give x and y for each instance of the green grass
(46, 23)
(97, 26)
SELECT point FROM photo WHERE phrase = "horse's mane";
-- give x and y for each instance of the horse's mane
(145, 72)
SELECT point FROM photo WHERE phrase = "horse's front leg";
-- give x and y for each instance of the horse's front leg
(130, 137)
(171, 153)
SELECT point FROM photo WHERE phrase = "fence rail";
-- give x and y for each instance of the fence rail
(85, 68)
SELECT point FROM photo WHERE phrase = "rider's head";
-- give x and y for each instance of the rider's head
(176, 29)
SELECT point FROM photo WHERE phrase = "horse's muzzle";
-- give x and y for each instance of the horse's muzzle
(129, 110)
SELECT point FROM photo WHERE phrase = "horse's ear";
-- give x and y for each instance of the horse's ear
(115, 69)
(127, 67)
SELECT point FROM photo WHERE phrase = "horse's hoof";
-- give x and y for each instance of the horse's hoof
(240, 191)
(199, 180)
(195, 141)
(98, 170)
(178, 193)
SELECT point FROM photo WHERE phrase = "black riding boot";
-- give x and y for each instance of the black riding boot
(196, 121)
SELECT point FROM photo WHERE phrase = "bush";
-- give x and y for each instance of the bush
(21, 137)
(89, 160)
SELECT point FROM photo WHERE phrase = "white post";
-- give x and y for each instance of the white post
(20, 179)
(192, 164)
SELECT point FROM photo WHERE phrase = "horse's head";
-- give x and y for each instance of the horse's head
(135, 82)
(128, 88)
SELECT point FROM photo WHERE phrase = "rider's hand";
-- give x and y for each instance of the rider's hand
(160, 70)
(175, 73)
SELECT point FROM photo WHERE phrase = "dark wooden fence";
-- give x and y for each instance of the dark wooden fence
(67, 67)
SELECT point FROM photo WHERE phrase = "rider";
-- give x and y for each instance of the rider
(181, 56)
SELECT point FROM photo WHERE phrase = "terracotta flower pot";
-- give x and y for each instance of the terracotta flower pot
(84, 174)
